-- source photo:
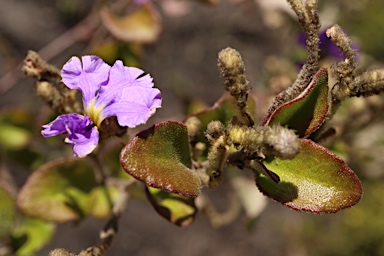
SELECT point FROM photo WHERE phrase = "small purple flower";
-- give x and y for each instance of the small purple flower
(124, 92)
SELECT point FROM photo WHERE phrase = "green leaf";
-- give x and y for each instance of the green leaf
(58, 191)
(307, 112)
(316, 180)
(13, 137)
(141, 26)
(101, 200)
(176, 209)
(15, 128)
(7, 212)
(160, 157)
(31, 235)
(223, 110)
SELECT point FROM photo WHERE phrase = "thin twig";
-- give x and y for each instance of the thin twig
(110, 230)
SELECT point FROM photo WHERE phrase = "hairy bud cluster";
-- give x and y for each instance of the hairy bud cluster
(369, 83)
(342, 70)
(266, 141)
(309, 20)
(194, 127)
(233, 71)
(218, 152)
(343, 42)
(348, 83)
(214, 130)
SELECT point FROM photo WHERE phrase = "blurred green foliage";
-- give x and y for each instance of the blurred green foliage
(367, 24)
(356, 231)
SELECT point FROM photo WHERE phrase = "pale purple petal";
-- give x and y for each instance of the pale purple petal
(120, 78)
(129, 114)
(121, 75)
(87, 76)
(128, 95)
(82, 133)
(133, 105)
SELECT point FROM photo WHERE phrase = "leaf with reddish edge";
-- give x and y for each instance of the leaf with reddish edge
(177, 209)
(160, 157)
(316, 181)
(307, 112)
(223, 110)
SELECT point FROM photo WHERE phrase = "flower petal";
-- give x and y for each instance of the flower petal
(127, 96)
(127, 76)
(84, 142)
(134, 105)
(122, 77)
(87, 76)
(82, 133)
(129, 114)
(61, 124)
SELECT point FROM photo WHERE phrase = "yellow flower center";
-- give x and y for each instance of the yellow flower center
(94, 112)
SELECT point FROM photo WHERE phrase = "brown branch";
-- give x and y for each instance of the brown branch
(56, 95)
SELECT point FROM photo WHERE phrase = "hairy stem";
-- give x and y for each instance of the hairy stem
(310, 22)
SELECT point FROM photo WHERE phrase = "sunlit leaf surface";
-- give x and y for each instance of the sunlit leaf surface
(316, 180)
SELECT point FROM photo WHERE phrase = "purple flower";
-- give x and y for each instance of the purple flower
(120, 91)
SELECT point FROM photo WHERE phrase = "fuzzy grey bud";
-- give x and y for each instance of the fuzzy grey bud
(232, 69)
(282, 142)
(266, 141)
(194, 127)
(214, 130)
